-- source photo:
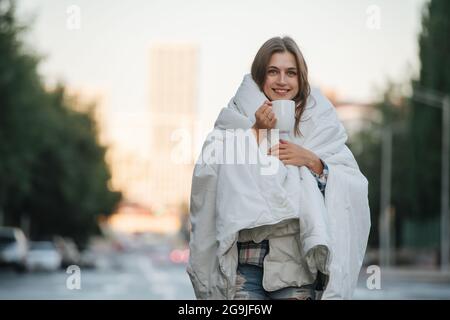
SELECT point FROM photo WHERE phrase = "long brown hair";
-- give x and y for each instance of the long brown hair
(262, 59)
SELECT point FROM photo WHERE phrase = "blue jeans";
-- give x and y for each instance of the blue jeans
(249, 287)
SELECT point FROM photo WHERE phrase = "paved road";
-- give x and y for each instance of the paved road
(137, 276)
(405, 284)
(129, 276)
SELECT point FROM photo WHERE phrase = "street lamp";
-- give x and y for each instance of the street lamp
(385, 219)
(384, 224)
(438, 100)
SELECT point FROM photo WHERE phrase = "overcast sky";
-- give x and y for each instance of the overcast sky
(111, 50)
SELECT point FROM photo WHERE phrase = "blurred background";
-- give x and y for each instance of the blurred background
(104, 106)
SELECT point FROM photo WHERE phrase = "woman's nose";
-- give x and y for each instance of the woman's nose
(282, 78)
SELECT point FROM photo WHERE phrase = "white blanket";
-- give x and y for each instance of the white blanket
(229, 197)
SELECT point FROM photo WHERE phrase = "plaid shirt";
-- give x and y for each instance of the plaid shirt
(254, 253)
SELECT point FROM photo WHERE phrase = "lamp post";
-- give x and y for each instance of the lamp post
(386, 225)
(385, 197)
(445, 246)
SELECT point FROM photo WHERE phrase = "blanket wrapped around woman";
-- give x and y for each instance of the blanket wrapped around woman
(237, 186)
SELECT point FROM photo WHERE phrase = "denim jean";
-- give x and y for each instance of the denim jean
(249, 287)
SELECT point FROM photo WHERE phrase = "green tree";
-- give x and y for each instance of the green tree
(434, 46)
(416, 150)
(52, 168)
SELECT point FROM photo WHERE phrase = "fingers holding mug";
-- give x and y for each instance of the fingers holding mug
(264, 116)
(270, 118)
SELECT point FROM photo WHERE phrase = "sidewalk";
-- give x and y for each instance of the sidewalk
(401, 283)
(410, 274)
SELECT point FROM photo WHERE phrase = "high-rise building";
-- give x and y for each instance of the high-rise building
(173, 100)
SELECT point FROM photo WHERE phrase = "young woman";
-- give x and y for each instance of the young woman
(293, 235)
(281, 73)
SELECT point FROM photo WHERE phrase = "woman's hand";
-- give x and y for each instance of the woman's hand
(265, 118)
(293, 154)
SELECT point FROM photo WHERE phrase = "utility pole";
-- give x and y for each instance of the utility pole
(445, 246)
(385, 198)
(386, 223)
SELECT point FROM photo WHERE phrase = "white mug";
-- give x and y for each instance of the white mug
(284, 111)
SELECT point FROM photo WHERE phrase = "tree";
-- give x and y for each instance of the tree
(52, 169)
(416, 151)
(434, 46)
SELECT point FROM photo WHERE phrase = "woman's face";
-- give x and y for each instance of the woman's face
(281, 81)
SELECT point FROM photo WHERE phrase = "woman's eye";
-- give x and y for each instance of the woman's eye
(292, 73)
(272, 72)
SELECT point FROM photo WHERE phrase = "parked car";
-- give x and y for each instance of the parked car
(43, 255)
(13, 248)
(68, 250)
(160, 254)
(88, 259)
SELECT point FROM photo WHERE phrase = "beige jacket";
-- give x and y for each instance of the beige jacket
(284, 265)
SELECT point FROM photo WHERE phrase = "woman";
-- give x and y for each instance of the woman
(281, 73)
(286, 235)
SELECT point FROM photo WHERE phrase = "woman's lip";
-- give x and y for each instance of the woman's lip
(283, 91)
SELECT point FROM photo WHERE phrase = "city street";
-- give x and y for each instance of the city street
(122, 146)
(125, 276)
(137, 275)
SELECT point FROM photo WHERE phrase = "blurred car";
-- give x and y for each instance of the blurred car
(68, 250)
(13, 248)
(43, 255)
(88, 259)
(159, 254)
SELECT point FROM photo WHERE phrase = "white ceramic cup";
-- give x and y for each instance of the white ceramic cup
(285, 113)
